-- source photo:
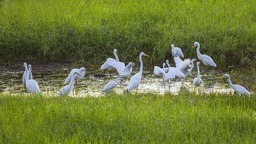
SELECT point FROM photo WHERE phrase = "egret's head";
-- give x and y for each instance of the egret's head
(193, 60)
(198, 63)
(196, 44)
(131, 64)
(172, 45)
(167, 61)
(25, 64)
(82, 69)
(115, 51)
(29, 66)
(226, 76)
(143, 54)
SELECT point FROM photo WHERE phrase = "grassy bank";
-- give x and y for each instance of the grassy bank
(88, 31)
(128, 119)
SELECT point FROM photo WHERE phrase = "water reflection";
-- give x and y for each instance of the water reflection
(50, 81)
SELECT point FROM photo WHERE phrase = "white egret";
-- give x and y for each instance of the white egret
(65, 90)
(31, 85)
(171, 74)
(135, 79)
(185, 66)
(238, 88)
(112, 84)
(176, 51)
(174, 71)
(106, 65)
(81, 74)
(197, 81)
(207, 60)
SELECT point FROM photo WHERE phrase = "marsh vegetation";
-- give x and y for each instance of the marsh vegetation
(143, 118)
(88, 31)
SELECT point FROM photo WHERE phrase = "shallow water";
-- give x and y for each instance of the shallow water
(51, 80)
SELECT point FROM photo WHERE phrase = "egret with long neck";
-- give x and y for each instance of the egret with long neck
(31, 85)
(65, 91)
(197, 81)
(238, 88)
(135, 79)
(207, 60)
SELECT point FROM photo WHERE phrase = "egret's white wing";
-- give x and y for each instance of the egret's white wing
(179, 52)
(178, 62)
(119, 66)
(127, 70)
(109, 86)
(170, 74)
(240, 89)
(32, 87)
(106, 65)
(207, 60)
(185, 66)
(134, 82)
(177, 72)
(111, 59)
(176, 51)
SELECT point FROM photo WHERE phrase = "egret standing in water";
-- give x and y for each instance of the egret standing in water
(176, 51)
(81, 74)
(65, 91)
(112, 84)
(135, 79)
(207, 60)
(31, 85)
(197, 81)
(238, 88)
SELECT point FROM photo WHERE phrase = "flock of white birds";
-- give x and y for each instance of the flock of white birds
(181, 70)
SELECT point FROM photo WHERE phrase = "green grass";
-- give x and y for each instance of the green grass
(146, 118)
(89, 30)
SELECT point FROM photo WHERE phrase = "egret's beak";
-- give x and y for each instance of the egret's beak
(193, 46)
(146, 55)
